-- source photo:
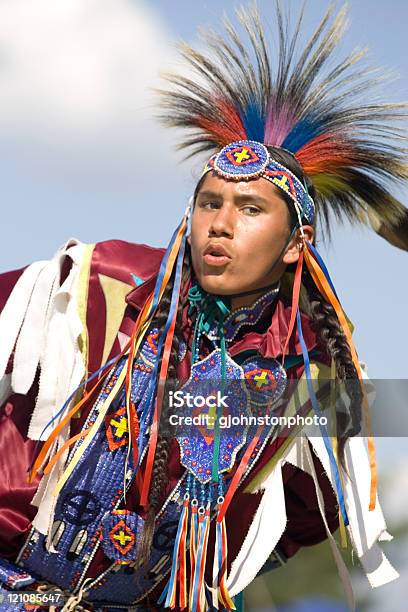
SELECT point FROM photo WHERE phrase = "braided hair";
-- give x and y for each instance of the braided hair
(325, 323)
(327, 326)
(159, 471)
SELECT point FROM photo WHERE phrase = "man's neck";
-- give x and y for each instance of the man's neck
(245, 300)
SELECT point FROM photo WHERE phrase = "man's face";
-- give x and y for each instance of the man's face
(238, 231)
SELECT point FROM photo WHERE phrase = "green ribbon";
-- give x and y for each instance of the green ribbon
(211, 309)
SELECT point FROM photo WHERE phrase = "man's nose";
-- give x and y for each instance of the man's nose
(223, 221)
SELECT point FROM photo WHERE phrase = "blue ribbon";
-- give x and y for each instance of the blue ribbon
(323, 428)
(162, 269)
(323, 267)
(145, 417)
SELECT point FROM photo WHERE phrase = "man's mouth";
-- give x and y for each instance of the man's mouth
(216, 255)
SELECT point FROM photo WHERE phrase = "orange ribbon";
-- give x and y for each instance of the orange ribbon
(154, 429)
(67, 444)
(327, 292)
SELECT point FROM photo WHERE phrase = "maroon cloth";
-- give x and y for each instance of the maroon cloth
(7, 282)
(271, 343)
(119, 259)
(16, 454)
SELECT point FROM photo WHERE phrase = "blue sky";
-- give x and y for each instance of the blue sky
(82, 156)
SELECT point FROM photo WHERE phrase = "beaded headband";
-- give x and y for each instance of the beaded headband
(249, 159)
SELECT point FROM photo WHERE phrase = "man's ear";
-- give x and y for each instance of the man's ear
(296, 244)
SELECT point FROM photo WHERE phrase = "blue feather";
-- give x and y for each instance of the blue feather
(253, 120)
(304, 131)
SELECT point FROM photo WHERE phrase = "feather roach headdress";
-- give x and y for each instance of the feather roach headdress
(353, 151)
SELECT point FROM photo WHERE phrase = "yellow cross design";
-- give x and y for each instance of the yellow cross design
(121, 426)
(122, 537)
(261, 379)
(282, 183)
(241, 155)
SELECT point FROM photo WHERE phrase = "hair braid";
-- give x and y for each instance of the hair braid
(334, 340)
(326, 323)
(159, 471)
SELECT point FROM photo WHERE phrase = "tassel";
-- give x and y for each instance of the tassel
(178, 566)
(194, 539)
(226, 598)
(192, 581)
(220, 589)
(216, 567)
(199, 578)
(183, 560)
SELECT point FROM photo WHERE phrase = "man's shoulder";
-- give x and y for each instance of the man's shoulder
(128, 262)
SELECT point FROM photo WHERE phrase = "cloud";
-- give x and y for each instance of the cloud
(75, 82)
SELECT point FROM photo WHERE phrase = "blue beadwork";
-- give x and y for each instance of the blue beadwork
(13, 576)
(266, 380)
(247, 315)
(242, 159)
(249, 159)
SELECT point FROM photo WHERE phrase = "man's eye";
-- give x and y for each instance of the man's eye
(210, 204)
(251, 210)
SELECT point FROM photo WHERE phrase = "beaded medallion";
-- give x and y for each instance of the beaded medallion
(243, 159)
(197, 441)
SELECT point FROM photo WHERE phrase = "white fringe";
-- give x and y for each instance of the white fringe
(41, 321)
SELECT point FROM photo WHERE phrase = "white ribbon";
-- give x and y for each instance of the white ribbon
(13, 313)
(366, 527)
(263, 534)
(41, 321)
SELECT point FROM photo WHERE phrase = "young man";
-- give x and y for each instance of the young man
(130, 502)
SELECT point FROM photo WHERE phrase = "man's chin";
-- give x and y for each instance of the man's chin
(216, 285)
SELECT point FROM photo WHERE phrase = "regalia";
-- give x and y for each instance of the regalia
(128, 368)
